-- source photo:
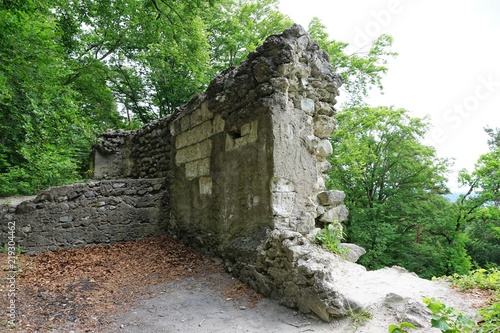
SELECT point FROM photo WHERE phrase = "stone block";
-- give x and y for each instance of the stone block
(307, 105)
(353, 251)
(191, 170)
(245, 129)
(193, 152)
(218, 124)
(204, 167)
(201, 115)
(66, 218)
(324, 167)
(324, 148)
(194, 135)
(254, 131)
(185, 123)
(280, 84)
(333, 197)
(324, 126)
(197, 168)
(230, 143)
(205, 185)
(336, 214)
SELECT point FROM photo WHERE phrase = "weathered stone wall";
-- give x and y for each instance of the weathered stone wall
(251, 151)
(238, 171)
(248, 178)
(144, 153)
(222, 171)
(101, 212)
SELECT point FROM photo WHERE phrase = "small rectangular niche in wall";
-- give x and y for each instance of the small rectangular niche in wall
(243, 136)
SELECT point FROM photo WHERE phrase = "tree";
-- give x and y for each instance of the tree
(157, 54)
(361, 70)
(68, 66)
(237, 27)
(41, 124)
(393, 186)
(154, 53)
(479, 208)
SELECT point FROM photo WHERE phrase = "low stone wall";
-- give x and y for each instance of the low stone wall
(82, 214)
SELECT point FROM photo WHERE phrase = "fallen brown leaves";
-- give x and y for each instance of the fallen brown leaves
(85, 286)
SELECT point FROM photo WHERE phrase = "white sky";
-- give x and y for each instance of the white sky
(448, 64)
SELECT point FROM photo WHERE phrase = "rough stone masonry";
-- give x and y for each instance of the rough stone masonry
(239, 171)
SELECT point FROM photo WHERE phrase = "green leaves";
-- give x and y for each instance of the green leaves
(393, 185)
(39, 117)
(362, 70)
(401, 328)
(237, 27)
(479, 208)
(379, 148)
(448, 319)
(330, 238)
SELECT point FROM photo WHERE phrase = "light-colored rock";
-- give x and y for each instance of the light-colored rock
(353, 251)
(335, 214)
(324, 126)
(331, 197)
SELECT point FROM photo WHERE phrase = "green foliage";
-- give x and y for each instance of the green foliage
(362, 69)
(483, 231)
(393, 187)
(330, 238)
(448, 319)
(359, 317)
(488, 279)
(479, 208)
(42, 124)
(5, 249)
(479, 278)
(151, 55)
(238, 27)
(400, 328)
(44, 169)
(491, 317)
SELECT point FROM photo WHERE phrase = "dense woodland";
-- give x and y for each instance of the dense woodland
(69, 69)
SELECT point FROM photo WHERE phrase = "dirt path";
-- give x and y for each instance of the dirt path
(199, 305)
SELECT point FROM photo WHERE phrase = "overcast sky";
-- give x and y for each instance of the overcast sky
(448, 64)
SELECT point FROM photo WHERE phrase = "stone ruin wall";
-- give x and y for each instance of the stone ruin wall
(144, 153)
(97, 212)
(239, 171)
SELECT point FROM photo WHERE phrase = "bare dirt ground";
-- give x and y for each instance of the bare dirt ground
(155, 285)
(81, 289)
